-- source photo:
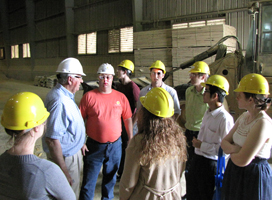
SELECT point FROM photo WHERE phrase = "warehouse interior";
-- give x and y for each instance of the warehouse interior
(36, 35)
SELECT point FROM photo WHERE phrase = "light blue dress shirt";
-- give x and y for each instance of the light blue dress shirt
(65, 122)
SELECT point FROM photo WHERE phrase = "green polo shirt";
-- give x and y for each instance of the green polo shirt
(194, 108)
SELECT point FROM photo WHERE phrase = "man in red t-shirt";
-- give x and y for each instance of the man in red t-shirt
(102, 110)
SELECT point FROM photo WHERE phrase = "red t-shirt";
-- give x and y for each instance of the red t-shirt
(102, 113)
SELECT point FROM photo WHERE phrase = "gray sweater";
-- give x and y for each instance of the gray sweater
(29, 177)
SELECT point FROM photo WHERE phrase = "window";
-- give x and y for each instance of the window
(114, 40)
(26, 50)
(87, 43)
(126, 39)
(215, 22)
(199, 23)
(121, 40)
(266, 29)
(181, 25)
(15, 51)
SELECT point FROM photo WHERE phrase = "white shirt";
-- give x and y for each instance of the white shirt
(240, 135)
(169, 89)
(215, 126)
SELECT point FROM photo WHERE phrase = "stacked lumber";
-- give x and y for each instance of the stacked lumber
(145, 57)
(45, 81)
(150, 46)
(176, 46)
(152, 39)
(189, 42)
(202, 36)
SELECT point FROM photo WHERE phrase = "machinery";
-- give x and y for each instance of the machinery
(233, 66)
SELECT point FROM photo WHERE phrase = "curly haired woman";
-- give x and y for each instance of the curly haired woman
(155, 157)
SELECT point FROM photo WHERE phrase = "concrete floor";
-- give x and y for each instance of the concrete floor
(10, 87)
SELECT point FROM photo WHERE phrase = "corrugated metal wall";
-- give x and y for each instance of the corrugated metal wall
(235, 12)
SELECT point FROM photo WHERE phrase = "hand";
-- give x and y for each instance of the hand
(84, 149)
(196, 143)
(235, 148)
(69, 178)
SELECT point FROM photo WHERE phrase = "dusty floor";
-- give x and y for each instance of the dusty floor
(10, 87)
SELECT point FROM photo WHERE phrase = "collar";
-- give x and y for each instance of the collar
(65, 91)
(193, 89)
(162, 86)
(215, 112)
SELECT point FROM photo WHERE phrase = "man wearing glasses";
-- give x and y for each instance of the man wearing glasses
(195, 108)
(157, 72)
(65, 134)
(102, 110)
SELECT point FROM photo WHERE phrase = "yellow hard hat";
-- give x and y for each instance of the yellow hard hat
(158, 65)
(200, 67)
(254, 84)
(159, 102)
(23, 111)
(127, 64)
(218, 81)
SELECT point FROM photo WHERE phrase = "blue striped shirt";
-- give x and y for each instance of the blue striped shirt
(65, 122)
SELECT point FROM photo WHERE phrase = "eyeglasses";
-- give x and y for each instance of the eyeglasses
(101, 77)
(157, 73)
(75, 76)
(193, 75)
(207, 91)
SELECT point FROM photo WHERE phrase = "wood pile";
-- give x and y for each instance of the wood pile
(45, 81)
(176, 46)
(189, 42)
(153, 39)
(205, 36)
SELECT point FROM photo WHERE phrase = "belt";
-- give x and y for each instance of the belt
(90, 140)
(161, 193)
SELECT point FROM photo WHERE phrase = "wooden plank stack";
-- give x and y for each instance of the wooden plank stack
(176, 46)
(153, 39)
(202, 36)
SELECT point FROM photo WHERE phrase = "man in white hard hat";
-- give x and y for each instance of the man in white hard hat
(65, 134)
(103, 108)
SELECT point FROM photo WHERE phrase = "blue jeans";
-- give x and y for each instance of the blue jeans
(108, 154)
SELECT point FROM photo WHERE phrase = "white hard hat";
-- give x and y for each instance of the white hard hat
(106, 68)
(70, 66)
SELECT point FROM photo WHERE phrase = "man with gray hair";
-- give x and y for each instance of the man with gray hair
(65, 134)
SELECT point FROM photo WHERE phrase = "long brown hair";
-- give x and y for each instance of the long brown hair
(162, 139)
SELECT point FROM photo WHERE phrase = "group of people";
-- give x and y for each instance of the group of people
(247, 141)
(80, 140)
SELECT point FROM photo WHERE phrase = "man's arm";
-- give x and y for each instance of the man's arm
(57, 156)
(128, 125)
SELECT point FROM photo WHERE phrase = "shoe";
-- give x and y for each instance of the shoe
(184, 197)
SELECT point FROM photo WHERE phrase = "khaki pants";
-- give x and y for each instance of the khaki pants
(74, 165)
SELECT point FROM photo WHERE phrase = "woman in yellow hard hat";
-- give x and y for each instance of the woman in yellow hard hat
(155, 157)
(248, 174)
(22, 174)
